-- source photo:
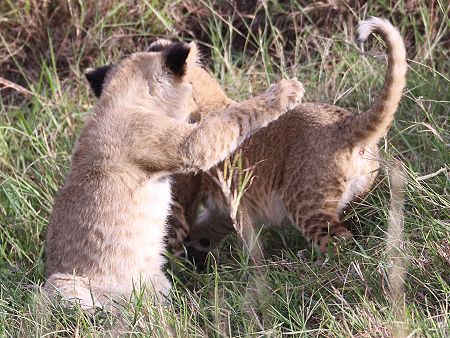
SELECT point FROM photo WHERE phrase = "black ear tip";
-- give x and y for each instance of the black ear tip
(160, 44)
(92, 73)
(96, 78)
(155, 47)
(175, 57)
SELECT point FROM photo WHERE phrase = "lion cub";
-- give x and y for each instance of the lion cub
(308, 165)
(105, 236)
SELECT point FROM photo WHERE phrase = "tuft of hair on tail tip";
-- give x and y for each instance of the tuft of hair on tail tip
(367, 27)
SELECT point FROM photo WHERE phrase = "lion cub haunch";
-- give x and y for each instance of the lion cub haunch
(105, 236)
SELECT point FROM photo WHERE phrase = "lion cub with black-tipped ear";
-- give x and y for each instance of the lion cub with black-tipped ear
(105, 235)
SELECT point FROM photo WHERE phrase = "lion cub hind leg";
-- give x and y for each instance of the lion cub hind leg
(322, 227)
(76, 290)
(315, 215)
(73, 290)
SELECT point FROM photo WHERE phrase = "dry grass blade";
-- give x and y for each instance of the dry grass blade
(22, 90)
(9, 84)
(396, 248)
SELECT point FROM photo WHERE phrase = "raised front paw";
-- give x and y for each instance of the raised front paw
(285, 95)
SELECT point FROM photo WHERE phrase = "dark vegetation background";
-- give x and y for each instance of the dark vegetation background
(74, 35)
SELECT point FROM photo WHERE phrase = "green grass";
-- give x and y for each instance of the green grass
(292, 292)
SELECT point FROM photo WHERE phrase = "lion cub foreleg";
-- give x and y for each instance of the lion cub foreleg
(194, 147)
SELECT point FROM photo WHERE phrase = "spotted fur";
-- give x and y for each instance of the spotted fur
(309, 164)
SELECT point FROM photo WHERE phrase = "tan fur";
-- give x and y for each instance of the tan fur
(310, 163)
(105, 235)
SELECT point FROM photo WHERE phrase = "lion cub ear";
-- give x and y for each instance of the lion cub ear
(96, 78)
(179, 56)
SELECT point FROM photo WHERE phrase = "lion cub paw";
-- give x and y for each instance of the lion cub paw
(286, 94)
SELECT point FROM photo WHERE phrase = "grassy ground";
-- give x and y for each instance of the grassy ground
(46, 45)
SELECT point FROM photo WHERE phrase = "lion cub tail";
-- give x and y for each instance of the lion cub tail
(370, 126)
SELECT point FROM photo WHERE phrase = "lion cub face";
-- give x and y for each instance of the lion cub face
(159, 79)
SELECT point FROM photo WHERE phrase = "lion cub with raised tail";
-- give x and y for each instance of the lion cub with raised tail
(308, 165)
(105, 237)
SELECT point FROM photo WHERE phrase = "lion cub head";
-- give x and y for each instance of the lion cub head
(202, 92)
(156, 78)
